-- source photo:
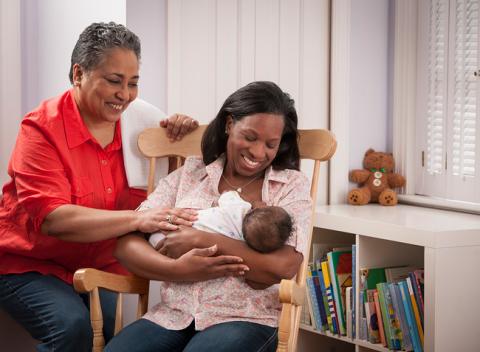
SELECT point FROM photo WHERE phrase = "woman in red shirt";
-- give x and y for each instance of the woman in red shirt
(68, 197)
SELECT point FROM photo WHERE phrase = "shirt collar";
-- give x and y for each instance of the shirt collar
(76, 131)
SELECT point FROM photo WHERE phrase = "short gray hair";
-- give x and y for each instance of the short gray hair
(97, 39)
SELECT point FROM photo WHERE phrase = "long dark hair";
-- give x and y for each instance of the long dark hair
(255, 98)
(98, 38)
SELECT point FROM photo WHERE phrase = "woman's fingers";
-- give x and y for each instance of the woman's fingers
(178, 126)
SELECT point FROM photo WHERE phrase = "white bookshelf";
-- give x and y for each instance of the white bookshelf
(446, 244)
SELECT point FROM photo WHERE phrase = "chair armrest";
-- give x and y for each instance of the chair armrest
(291, 292)
(85, 280)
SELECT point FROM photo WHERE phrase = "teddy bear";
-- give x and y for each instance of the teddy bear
(376, 180)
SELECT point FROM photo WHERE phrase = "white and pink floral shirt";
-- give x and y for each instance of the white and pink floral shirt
(229, 298)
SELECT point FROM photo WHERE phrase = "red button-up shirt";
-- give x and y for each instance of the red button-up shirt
(57, 161)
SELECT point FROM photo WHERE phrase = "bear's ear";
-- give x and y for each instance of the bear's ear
(370, 151)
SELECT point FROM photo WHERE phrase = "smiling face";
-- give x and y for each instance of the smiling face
(253, 143)
(104, 93)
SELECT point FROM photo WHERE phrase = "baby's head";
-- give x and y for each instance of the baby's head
(266, 229)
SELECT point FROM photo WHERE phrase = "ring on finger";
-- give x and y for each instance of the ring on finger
(169, 218)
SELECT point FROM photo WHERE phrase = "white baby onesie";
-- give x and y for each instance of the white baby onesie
(226, 219)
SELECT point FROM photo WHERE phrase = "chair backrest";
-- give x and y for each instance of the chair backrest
(317, 145)
(153, 143)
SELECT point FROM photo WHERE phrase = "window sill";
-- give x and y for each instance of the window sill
(438, 203)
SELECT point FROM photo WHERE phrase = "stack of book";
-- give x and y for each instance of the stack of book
(391, 309)
(390, 300)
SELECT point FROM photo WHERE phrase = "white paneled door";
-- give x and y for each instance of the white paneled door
(218, 46)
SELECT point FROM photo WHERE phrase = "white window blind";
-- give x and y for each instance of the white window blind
(447, 126)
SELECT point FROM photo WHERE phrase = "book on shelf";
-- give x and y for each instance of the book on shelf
(417, 279)
(379, 318)
(371, 316)
(318, 265)
(319, 297)
(362, 320)
(330, 300)
(316, 321)
(412, 324)
(354, 288)
(390, 323)
(307, 310)
(416, 313)
(398, 273)
(370, 277)
(340, 268)
(348, 311)
(405, 339)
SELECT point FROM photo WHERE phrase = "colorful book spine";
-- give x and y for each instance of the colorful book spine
(340, 267)
(417, 291)
(319, 297)
(313, 299)
(371, 315)
(395, 330)
(331, 302)
(354, 289)
(412, 324)
(379, 318)
(348, 310)
(362, 320)
(415, 309)
(324, 297)
(400, 314)
(385, 315)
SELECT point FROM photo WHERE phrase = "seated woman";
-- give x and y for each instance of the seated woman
(68, 199)
(251, 145)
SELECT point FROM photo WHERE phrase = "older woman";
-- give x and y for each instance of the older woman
(251, 146)
(68, 197)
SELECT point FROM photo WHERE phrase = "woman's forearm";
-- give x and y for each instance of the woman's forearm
(269, 268)
(81, 224)
(136, 254)
(143, 260)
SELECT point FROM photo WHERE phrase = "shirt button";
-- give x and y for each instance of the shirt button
(109, 190)
(104, 162)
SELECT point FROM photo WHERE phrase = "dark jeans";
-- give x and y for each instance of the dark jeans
(145, 336)
(52, 312)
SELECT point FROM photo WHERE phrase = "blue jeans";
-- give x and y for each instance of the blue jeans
(52, 312)
(146, 336)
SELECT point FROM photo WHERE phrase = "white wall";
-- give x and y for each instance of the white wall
(148, 20)
(10, 81)
(369, 78)
(36, 42)
(50, 31)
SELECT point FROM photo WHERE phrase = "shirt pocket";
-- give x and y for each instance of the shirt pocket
(82, 191)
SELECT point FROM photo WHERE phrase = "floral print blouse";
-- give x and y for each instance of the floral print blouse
(228, 298)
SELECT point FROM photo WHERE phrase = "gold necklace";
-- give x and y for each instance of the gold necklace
(239, 189)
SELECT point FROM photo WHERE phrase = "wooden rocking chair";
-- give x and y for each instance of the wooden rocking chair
(318, 145)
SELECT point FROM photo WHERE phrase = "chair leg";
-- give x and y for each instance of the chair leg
(284, 327)
(97, 321)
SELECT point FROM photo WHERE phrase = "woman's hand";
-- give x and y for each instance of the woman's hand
(178, 126)
(200, 264)
(179, 241)
(164, 219)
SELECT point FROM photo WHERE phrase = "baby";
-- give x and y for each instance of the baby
(263, 228)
